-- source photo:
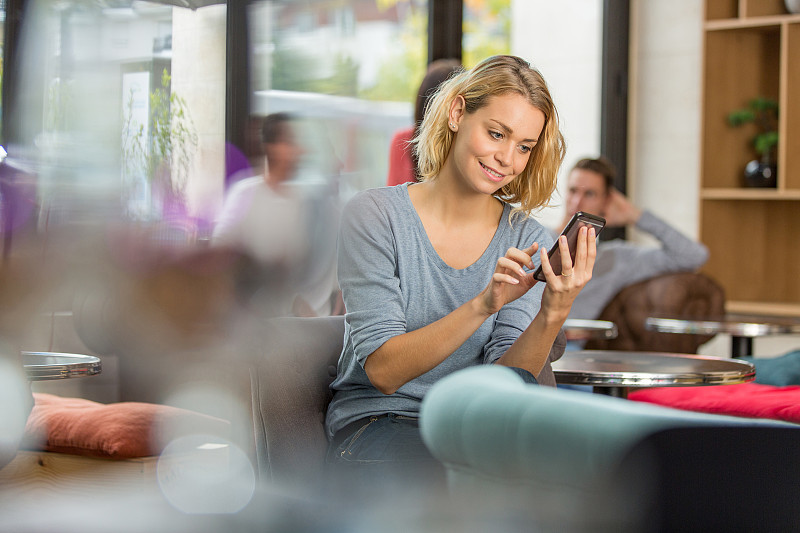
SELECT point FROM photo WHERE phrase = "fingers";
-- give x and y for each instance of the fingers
(586, 252)
(530, 251)
(511, 266)
(499, 277)
(566, 260)
(523, 257)
(579, 272)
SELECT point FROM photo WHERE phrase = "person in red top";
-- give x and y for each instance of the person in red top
(402, 164)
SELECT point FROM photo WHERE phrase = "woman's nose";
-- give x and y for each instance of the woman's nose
(505, 155)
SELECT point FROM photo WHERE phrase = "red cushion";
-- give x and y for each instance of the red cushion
(752, 400)
(118, 430)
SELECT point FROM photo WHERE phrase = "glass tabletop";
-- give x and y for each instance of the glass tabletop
(740, 325)
(41, 366)
(645, 369)
(578, 329)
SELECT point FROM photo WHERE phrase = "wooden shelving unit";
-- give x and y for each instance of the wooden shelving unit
(751, 49)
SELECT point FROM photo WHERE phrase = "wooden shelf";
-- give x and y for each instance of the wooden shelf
(762, 308)
(751, 22)
(749, 194)
(751, 49)
(722, 10)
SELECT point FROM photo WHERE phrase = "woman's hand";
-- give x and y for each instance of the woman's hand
(561, 290)
(509, 280)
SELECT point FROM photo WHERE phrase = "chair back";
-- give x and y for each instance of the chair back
(684, 295)
(290, 390)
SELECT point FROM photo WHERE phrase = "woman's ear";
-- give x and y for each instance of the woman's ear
(457, 110)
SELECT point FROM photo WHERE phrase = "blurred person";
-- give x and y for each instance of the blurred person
(402, 162)
(619, 263)
(266, 217)
(249, 161)
(432, 273)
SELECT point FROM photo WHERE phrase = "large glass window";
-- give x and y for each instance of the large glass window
(486, 30)
(121, 108)
(349, 70)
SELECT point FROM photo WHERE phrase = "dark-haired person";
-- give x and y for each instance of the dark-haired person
(619, 263)
(402, 163)
(267, 217)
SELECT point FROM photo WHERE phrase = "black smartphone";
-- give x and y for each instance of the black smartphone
(578, 220)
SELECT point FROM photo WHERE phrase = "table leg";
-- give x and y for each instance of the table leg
(615, 392)
(741, 346)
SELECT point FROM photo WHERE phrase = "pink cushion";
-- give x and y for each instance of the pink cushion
(119, 430)
(752, 400)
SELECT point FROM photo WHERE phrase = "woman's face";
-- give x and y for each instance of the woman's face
(493, 144)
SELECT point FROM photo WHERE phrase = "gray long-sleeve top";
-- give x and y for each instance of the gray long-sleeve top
(620, 264)
(393, 281)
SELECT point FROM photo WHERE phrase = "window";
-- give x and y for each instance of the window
(351, 79)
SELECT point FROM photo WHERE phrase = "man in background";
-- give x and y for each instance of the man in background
(590, 188)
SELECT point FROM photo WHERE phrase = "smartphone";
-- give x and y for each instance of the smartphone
(578, 220)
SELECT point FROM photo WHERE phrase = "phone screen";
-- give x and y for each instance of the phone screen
(578, 220)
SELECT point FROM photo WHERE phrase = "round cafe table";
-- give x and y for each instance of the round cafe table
(613, 372)
(742, 328)
(42, 366)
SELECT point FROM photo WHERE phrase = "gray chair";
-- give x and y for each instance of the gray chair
(290, 390)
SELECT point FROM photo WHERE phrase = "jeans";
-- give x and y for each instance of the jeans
(388, 454)
(384, 459)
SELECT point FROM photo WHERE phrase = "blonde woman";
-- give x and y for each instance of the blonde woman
(437, 276)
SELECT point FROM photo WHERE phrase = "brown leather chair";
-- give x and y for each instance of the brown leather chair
(680, 295)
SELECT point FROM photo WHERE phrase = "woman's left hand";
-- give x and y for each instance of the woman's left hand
(560, 291)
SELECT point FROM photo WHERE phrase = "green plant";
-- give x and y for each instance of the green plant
(763, 112)
(164, 155)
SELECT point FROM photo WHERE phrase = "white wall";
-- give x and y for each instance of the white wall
(563, 40)
(664, 109)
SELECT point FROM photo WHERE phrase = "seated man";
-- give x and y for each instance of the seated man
(621, 263)
(273, 219)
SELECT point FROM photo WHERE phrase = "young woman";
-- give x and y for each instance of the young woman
(437, 276)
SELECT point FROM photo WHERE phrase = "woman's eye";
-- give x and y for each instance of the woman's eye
(496, 134)
(525, 149)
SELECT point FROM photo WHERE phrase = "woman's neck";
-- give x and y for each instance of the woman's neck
(452, 202)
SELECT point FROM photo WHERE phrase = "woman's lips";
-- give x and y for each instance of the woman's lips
(492, 173)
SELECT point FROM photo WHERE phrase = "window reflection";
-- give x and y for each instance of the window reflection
(349, 70)
(486, 30)
(121, 108)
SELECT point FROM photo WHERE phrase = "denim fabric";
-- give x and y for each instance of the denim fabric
(526, 376)
(384, 458)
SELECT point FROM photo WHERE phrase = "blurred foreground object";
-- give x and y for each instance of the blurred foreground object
(560, 460)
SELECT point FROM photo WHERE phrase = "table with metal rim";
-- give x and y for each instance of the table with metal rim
(742, 329)
(579, 329)
(43, 366)
(613, 372)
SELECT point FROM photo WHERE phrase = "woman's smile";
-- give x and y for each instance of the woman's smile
(492, 173)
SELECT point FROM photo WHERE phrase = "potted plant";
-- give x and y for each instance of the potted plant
(163, 153)
(763, 112)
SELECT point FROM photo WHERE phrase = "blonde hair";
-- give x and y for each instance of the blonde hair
(497, 75)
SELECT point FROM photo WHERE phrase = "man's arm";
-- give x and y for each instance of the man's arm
(678, 252)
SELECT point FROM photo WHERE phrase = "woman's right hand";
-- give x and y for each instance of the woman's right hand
(509, 280)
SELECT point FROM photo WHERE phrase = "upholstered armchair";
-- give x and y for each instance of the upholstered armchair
(684, 295)
(531, 458)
